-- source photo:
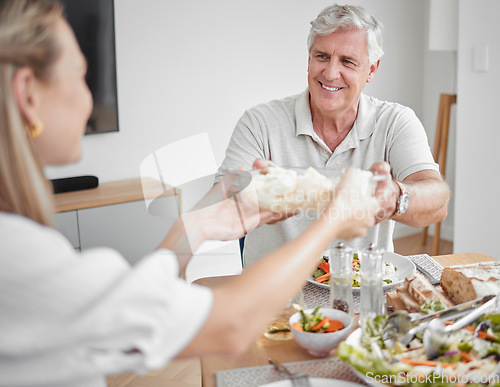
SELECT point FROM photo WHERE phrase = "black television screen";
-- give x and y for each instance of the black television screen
(93, 24)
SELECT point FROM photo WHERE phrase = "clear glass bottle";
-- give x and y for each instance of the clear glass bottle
(371, 274)
(341, 278)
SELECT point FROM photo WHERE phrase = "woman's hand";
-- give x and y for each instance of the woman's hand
(351, 213)
(225, 213)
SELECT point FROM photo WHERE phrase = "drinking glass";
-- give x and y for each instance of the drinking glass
(279, 328)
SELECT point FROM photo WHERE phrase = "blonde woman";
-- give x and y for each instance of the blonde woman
(69, 319)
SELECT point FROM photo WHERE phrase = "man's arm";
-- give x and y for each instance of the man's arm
(429, 197)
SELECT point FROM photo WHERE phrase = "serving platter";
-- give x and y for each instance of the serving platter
(354, 339)
(314, 382)
(404, 267)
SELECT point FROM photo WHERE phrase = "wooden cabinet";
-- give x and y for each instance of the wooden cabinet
(116, 215)
(67, 224)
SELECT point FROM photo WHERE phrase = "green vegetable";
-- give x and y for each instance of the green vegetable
(451, 359)
(372, 331)
(432, 306)
(308, 322)
(465, 346)
(318, 273)
(366, 362)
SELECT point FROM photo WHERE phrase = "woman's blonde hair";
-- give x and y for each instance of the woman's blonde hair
(26, 39)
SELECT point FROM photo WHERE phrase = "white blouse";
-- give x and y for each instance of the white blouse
(69, 319)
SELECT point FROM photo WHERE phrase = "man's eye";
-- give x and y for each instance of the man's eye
(348, 62)
(322, 57)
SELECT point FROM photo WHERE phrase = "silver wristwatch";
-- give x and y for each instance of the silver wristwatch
(403, 201)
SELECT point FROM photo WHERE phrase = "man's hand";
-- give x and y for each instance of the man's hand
(429, 196)
(262, 164)
(387, 191)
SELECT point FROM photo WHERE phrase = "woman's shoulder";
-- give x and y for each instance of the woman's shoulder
(14, 223)
(21, 234)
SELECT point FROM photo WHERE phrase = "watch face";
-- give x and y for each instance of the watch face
(404, 202)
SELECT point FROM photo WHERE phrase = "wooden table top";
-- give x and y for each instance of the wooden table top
(289, 351)
(112, 193)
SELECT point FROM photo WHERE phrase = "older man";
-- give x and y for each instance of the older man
(332, 125)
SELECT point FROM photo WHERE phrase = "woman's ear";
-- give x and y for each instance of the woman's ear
(24, 89)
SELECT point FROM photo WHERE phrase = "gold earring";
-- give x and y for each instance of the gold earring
(35, 129)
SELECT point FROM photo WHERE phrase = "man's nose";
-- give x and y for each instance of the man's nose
(332, 70)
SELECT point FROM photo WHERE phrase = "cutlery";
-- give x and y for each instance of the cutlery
(298, 379)
(428, 275)
(436, 333)
(401, 323)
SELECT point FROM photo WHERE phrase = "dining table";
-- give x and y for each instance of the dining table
(223, 370)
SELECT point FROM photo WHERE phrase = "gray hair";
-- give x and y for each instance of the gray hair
(337, 17)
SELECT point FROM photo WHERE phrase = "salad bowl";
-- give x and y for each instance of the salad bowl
(321, 344)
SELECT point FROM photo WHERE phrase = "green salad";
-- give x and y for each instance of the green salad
(469, 356)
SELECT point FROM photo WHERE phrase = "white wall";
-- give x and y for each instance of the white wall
(187, 67)
(192, 66)
(439, 76)
(477, 208)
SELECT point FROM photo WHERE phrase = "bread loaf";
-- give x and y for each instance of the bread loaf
(421, 290)
(468, 282)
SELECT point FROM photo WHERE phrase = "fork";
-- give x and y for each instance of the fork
(298, 379)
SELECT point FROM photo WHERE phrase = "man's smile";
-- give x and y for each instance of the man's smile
(330, 88)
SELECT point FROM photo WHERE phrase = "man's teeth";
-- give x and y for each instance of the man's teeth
(330, 88)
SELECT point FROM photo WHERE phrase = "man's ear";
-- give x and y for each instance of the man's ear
(24, 89)
(373, 71)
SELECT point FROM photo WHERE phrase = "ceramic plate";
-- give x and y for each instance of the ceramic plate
(404, 266)
(315, 382)
(354, 339)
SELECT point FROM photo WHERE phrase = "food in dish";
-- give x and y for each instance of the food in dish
(315, 322)
(322, 272)
(468, 282)
(468, 355)
(416, 290)
(323, 343)
(405, 268)
(291, 190)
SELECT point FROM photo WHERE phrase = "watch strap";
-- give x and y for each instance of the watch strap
(403, 195)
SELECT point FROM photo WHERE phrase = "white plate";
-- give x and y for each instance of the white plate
(315, 382)
(404, 265)
(354, 339)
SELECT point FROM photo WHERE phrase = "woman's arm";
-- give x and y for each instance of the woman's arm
(243, 305)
